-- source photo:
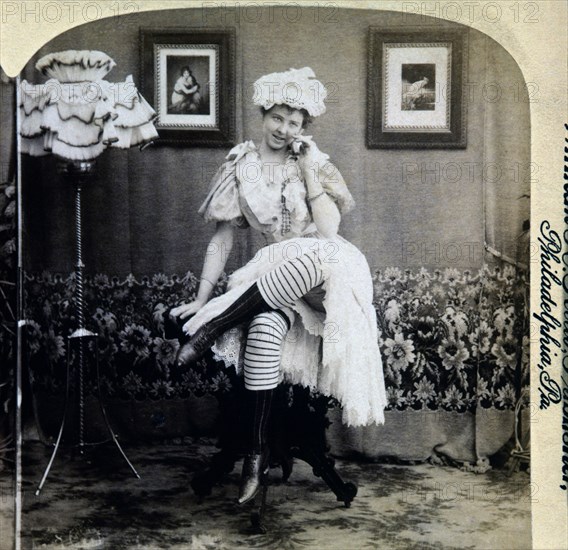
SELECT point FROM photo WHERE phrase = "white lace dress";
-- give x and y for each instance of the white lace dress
(336, 351)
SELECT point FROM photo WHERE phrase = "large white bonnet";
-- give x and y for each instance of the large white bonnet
(297, 88)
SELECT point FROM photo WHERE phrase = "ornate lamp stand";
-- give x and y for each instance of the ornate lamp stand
(75, 116)
(78, 173)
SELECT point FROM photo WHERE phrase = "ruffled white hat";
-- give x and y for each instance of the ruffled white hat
(297, 88)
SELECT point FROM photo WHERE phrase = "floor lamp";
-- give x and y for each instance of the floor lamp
(74, 116)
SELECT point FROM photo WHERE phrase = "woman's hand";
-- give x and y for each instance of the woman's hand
(306, 149)
(324, 211)
(309, 161)
(185, 310)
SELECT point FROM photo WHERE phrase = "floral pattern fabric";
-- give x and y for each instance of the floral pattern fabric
(450, 340)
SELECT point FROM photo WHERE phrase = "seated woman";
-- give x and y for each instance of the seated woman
(302, 306)
(186, 98)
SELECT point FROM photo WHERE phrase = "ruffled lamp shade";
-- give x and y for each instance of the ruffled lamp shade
(77, 114)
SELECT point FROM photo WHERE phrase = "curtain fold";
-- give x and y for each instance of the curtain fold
(508, 174)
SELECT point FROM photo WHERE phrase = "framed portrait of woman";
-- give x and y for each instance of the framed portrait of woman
(415, 89)
(188, 77)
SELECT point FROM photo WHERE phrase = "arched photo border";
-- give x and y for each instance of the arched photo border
(534, 34)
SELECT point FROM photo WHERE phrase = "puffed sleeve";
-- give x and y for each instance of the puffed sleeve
(222, 202)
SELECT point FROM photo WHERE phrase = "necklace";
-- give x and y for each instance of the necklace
(286, 225)
(286, 219)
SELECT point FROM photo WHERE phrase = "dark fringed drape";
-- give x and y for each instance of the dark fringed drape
(449, 339)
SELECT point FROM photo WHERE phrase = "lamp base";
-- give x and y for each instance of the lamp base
(82, 333)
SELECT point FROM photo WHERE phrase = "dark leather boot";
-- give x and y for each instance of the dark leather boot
(189, 353)
(244, 308)
(173, 327)
(255, 465)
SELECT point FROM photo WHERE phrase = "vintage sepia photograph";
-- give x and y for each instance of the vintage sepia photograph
(267, 279)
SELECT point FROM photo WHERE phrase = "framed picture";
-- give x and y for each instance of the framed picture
(188, 76)
(415, 94)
